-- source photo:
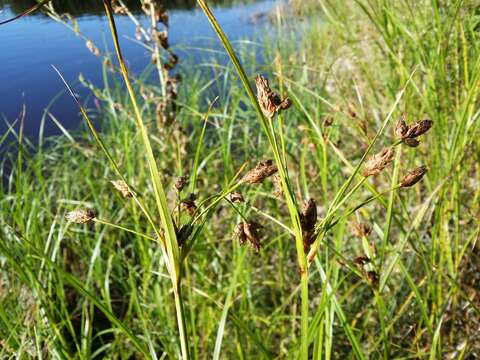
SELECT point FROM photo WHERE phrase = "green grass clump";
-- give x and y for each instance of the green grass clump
(391, 272)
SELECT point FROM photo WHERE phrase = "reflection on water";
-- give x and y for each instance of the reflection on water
(30, 45)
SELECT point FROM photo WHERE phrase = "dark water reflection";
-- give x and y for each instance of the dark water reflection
(30, 45)
(95, 7)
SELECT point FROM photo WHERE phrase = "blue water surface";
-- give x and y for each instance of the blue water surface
(30, 45)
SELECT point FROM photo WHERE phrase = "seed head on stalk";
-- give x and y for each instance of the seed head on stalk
(378, 162)
(122, 187)
(180, 183)
(260, 172)
(270, 102)
(418, 128)
(414, 176)
(188, 206)
(409, 133)
(361, 230)
(81, 216)
(308, 219)
(247, 231)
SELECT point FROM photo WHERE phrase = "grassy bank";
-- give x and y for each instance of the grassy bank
(393, 273)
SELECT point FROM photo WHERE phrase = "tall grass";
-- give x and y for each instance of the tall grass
(391, 273)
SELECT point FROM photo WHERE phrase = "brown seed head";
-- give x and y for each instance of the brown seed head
(183, 234)
(236, 197)
(418, 128)
(118, 9)
(80, 216)
(180, 183)
(239, 232)
(188, 206)
(378, 162)
(251, 231)
(161, 15)
(401, 128)
(261, 171)
(361, 260)
(361, 230)
(411, 142)
(122, 186)
(308, 217)
(413, 176)
(372, 277)
(248, 231)
(285, 104)
(328, 121)
(161, 38)
(269, 101)
(264, 97)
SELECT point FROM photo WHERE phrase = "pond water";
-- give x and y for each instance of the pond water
(31, 44)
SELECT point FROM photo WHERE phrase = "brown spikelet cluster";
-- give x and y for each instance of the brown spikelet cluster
(156, 36)
(361, 260)
(247, 231)
(308, 219)
(260, 172)
(409, 133)
(236, 197)
(81, 216)
(361, 230)
(413, 176)
(270, 102)
(378, 162)
(372, 277)
(188, 206)
(167, 108)
(180, 183)
(122, 187)
(364, 264)
(183, 233)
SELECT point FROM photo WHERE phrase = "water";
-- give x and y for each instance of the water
(31, 44)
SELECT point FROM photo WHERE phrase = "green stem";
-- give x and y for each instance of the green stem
(351, 211)
(182, 326)
(103, 222)
(170, 249)
(355, 188)
(304, 314)
(389, 217)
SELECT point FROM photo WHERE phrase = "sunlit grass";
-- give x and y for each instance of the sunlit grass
(103, 289)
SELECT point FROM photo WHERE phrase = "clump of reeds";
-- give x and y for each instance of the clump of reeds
(307, 230)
